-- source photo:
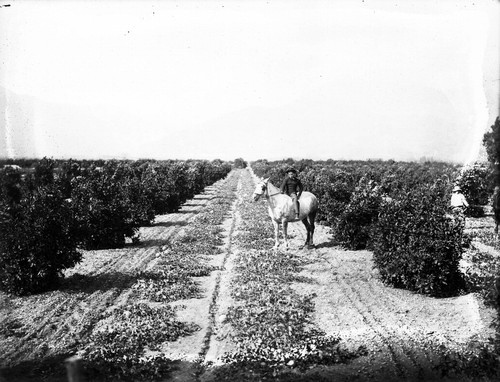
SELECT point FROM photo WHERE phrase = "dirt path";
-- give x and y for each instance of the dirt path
(192, 351)
(218, 342)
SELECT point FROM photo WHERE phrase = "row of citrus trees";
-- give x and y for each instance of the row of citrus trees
(400, 210)
(51, 210)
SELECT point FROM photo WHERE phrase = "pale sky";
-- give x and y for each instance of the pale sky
(254, 79)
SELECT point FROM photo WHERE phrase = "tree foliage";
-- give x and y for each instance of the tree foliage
(240, 163)
(53, 208)
(37, 240)
(417, 245)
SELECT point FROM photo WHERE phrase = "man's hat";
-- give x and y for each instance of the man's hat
(456, 189)
(291, 169)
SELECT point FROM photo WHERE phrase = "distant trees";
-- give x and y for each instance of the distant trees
(240, 163)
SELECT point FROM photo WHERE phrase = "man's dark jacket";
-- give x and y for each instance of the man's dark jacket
(291, 186)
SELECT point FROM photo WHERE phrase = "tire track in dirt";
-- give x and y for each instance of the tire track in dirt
(402, 331)
(216, 296)
(409, 360)
(215, 341)
(413, 347)
(399, 360)
(413, 350)
(402, 360)
(101, 280)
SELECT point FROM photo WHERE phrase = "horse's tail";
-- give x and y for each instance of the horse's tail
(495, 200)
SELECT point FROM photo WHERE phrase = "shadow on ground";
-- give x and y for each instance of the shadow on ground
(53, 368)
(170, 224)
(328, 244)
(49, 369)
(152, 243)
(99, 282)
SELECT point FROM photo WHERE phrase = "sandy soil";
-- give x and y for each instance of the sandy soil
(402, 331)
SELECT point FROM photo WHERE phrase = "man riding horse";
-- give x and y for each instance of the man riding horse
(292, 186)
(283, 210)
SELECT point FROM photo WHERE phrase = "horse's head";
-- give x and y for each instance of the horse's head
(260, 188)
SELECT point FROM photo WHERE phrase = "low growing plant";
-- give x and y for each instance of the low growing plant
(117, 350)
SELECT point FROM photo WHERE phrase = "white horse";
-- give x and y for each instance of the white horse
(282, 211)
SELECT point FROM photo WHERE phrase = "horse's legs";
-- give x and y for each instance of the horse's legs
(276, 234)
(285, 235)
(496, 226)
(308, 229)
(312, 217)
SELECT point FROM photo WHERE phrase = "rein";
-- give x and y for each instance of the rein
(269, 195)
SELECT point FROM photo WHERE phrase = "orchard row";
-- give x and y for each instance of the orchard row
(54, 208)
